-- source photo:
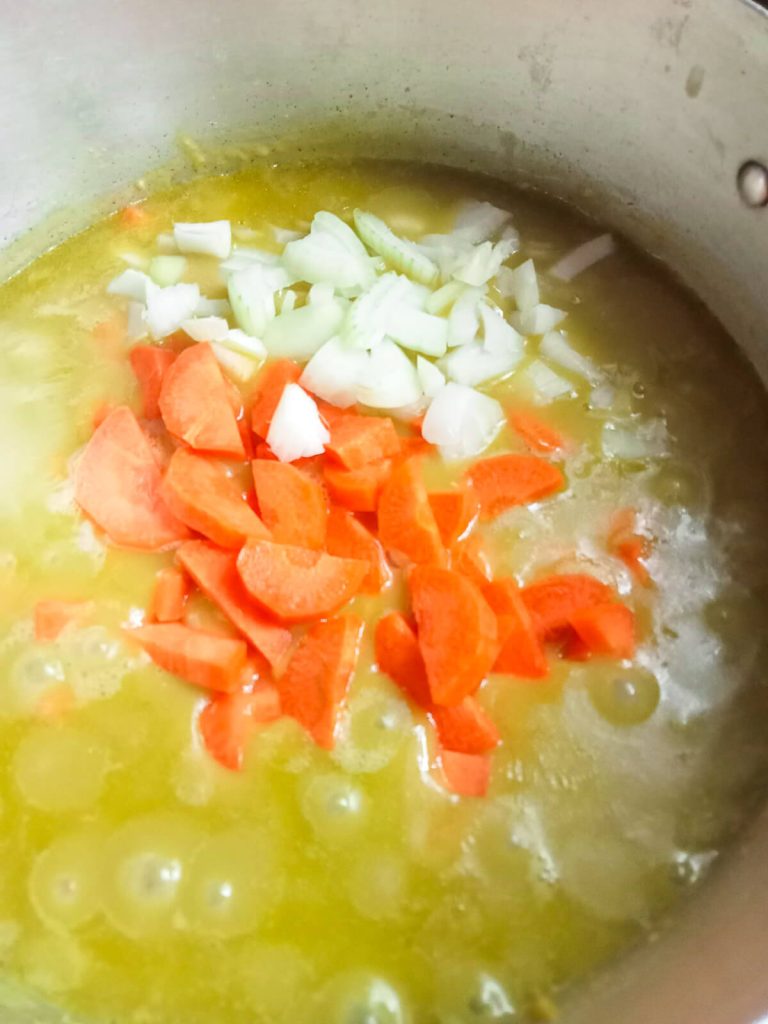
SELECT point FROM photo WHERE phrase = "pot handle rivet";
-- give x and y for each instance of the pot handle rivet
(752, 183)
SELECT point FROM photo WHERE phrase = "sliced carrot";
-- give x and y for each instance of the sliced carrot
(52, 617)
(554, 600)
(358, 490)
(507, 480)
(521, 652)
(465, 728)
(200, 612)
(241, 416)
(170, 595)
(453, 512)
(204, 659)
(538, 435)
(330, 414)
(399, 656)
(199, 491)
(318, 675)
(632, 547)
(465, 774)
(216, 574)
(457, 632)
(574, 648)
(133, 215)
(269, 390)
(195, 403)
(470, 558)
(228, 721)
(357, 441)
(407, 526)
(262, 451)
(415, 446)
(150, 363)
(292, 504)
(298, 584)
(100, 413)
(346, 537)
(606, 629)
(117, 484)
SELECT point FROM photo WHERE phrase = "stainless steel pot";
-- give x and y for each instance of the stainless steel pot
(641, 113)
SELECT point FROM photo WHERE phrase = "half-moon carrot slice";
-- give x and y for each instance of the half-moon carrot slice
(204, 659)
(507, 480)
(292, 504)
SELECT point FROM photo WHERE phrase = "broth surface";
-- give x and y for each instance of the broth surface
(142, 883)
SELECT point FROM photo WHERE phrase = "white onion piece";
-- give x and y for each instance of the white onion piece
(298, 334)
(137, 324)
(236, 365)
(131, 284)
(602, 397)
(401, 254)
(480, 221)
(245, 256)
(538, 320)
(167, 270)
(296, 430)
(544, 383)
(462, 422)
(583, 257)
(388, 379)
(165, 242)
(213, 238)
(252, 297)
(168, 308)
(320, 294)
(521, 284)
(418, 331)
(239, 341)
(331, 253)
(464, 318)
(287, 300)
(333, 225)
(474, 364)
(447, 252)
(206, 328)
(213, 307)
(369, 314)
(632, 443)
(441, 301)
(555, 348)
(332, 372)
(499, 337)
(285, 235)
(483, 263)
(431, 377)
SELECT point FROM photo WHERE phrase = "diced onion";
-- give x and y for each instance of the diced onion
(555, 348)
(388, 379)
(418, 331)
(479, 221)
(252, 297)
(521, 284)
(320, 294)
(538, 320)
(299, 333)
(206, 328)
(296, 430)
(462, 422)
(244, 256)
(236, 365)
(131, 284)
(464, 318)
(633, 443)
(583, 257)
(370, 313)
(137, 324)
(602, 397)
(167, 270)
(332, 372)
(474, 364)
(331, 253)
(239, 341)
(287, 300)
(545, 384)
(284, 235)
(213, 238)
(483, 263)
(401, 254)
(168, 308)
(213, 307)
(440, 302)
(431, 377)
(500, 337)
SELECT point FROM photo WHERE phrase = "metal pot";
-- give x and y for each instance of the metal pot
(639, 113)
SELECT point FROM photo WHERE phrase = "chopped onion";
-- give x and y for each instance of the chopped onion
(545, 384)
(555, 348)
(165, 242)
(239, 341)
(401, 254)
(418, 331)
(206, 328)
(464, 318)
(370, 313)
(213, 238)
(583, 257)
(296, 430)
(131, 284)
(462, 422)
(499, 337)
(440, 302)
(431, 377)
(137, 324)
(320, 294)
(252, 296)
(331, 253)
(473, 364)
(388, 379)
(483, 263)
(167, 270)
(602, 397)
(236, 365)
(287, 300)
(284, 235)
(521, 284)
(538, 320)
(332, 372)
(480, 221)
(245, 256)
(168, 308)
(633, 443)
(213, 307)
(299, 333)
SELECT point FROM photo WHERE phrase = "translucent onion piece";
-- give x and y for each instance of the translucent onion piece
(239, 367)
(131, 284)
(431, 377)
(213, 238)
(521, 284)
(462, 422)
(583, 257)
(299, 333)
(333, 371)
(399, 253)
(418, 331)
(544, 383)
(538, 320)
(555, 348)
(206, 328)
(168, 308)
(167, 270)
(388, 379)
(252, 297)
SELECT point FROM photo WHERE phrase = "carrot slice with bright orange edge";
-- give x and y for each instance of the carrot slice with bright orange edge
(269, 390)
(453, 512)
(456, 629)
(195, 404)
(470, 558)
(358, 490)
(553, 600)
(228, 721)
(292, 504)
(215, 572)
(298, 584)
(465, 728)
(538, 435)
(632, 547)
(347, 538)
(465, 774)
(606, 629)
(200, 492)
(170, 595)
(399, 656)
(117, 484)
(317, 678)
(204, 659)
(357, 441)
(150, 363)
(521, 652)
(51, 617)
(407, 526)
(504, 481)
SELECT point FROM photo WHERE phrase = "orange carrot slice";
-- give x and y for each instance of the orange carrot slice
(195, 404)
(269, 390)
(52, 617)
(117, 484)
(554, 600)
(470, 558)
(204, 659)
(465, 774)
(292, 504)
(453, 512)
(465, 728)
(241, 416)
(317, 678)
(538, 435)
(298, 584)
(170, 595)
(457, 632)
(216, 574)
(150, 363)
(347, 538)
(507, 480)
(606, 629)
(399, 656)
(228, 721)
(357, 441)
(632, 547)
(407, 526)
(521, 652)
(199, 491)
(358, 490)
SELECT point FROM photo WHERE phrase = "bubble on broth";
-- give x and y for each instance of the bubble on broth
(97, 662)
(64, 884)
(467, 992)
(194, 779)
(278, 981)
(373, 730)
(624, 696)
(377, 883)
(60, 768)
(334, 806)
(34, 673)
(360, 998)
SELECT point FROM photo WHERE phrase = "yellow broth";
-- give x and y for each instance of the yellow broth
(142, 883)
